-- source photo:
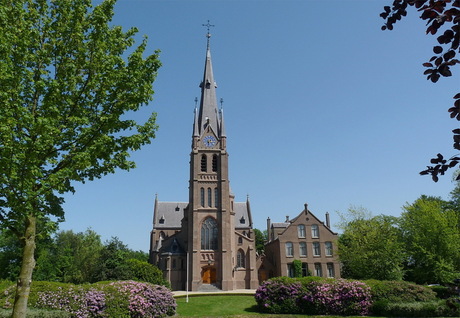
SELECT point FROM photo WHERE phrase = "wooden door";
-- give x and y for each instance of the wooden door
(208, 275)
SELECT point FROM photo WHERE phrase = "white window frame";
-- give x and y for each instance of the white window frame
(302, 249)
(289, 249)
(301, 232)
(316, 249)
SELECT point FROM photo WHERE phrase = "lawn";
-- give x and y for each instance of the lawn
(235, 306)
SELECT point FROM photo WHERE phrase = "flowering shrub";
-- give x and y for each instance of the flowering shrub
(338, 297)
(278, 297)
(146, 300)
(74, 300)
(117, 299)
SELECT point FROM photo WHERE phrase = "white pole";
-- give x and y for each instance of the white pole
(186, 283)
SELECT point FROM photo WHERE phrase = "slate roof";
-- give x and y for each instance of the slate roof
(170, 214)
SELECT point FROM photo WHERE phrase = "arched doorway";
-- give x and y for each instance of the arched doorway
(208, 275)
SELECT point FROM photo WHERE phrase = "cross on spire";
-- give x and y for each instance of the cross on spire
(208, 26)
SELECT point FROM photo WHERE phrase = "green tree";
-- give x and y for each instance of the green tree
(432, 238)
(439, 15)
(10, 255)
(67, 90)
(112, 261)
(260, 241)
(371, 247)
(72, 258)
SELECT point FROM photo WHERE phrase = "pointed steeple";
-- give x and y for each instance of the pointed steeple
(208, 114)
(195, 121)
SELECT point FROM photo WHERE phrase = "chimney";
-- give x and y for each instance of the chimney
(269, 226)
(328, 222)
(306, 208)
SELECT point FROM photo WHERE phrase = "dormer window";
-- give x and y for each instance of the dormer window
(162, 220)
(177, 208)
(242, 220)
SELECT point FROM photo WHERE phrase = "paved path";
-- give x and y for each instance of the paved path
(180, 293)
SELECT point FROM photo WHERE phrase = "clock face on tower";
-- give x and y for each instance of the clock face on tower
(209, 141)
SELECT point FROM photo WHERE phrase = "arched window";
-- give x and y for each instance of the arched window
(214, 163)
(209, 234)
(240, 260)
(289, 249)
(328, 246)
(316, 249)
(301, 230)
(216, 197)
(204, 163)
(314, 230)
(303, 249)
(209, 197)
(202, 196)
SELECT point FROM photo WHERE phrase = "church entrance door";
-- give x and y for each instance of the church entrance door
(208, 275)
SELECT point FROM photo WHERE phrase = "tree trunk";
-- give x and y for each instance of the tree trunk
(27, 267)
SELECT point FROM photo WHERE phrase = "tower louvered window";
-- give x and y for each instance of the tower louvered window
(209, 233)
(214, 163)
(209, 197)
(216, 197)
(202, 196)
(204, 163)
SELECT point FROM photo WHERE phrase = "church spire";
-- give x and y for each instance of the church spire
(208, 114)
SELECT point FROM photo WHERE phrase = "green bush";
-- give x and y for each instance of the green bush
(436, 308)
(442, 292)
(399, 291)
(37, 313)
(145, 272)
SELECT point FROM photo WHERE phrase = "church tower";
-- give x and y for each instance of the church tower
(208, 241)
(210, 211)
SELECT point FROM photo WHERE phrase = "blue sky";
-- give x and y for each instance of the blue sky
(321, 106)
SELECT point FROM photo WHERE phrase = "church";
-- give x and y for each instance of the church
(209, 241)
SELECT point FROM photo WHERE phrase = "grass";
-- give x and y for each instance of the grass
(223, 306)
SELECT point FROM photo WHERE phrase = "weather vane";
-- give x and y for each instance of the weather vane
(208, 26)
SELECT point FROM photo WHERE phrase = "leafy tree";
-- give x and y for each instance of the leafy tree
(10, 255)
(439, 15)
(112, 261)
(432, 238)
(72, 258)
(261, 239)
(67, 88)
(370, 247)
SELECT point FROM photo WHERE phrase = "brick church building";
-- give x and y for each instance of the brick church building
(209, 240)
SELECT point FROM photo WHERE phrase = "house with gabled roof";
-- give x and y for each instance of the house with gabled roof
(305, 238)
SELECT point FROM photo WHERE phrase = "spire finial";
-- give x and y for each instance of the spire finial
(208, 26)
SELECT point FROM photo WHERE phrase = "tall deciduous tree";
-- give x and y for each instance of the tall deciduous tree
(443, 16)
(67, 88)
(431, 234)
(371, 247)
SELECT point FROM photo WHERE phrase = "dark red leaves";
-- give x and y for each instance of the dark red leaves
(436, 14)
